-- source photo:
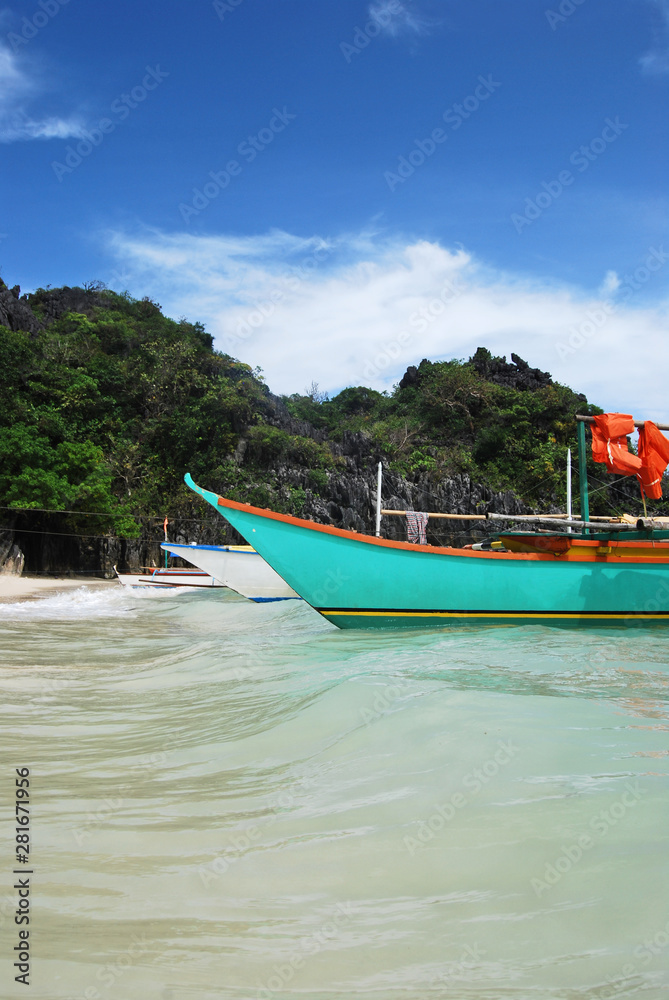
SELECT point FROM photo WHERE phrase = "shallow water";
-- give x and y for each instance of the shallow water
(232, 800)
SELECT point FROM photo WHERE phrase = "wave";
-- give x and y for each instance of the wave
(82, 603)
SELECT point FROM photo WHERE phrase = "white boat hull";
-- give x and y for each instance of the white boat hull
(167, 580)
(238, 567)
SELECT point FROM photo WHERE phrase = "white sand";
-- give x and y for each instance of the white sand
(22, 588)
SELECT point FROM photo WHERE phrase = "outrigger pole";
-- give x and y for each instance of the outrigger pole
(637, 423)
(602, 526)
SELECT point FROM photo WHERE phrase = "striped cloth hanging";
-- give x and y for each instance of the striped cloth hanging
(416, 526)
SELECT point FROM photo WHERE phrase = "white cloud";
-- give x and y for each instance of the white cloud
(610, 284)
(394, 18)
(20, 90)
(656, 61)
(357, 310)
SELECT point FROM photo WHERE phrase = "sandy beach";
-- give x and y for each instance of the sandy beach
(26, 588)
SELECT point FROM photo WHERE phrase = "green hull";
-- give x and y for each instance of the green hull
(356, 581)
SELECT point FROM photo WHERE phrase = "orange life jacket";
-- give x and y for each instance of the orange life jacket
(609, 445)
(654, 455)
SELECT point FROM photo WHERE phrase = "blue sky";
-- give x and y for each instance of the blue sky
(340, 189)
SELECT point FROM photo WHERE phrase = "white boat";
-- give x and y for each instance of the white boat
(238, 567)
(161, 579)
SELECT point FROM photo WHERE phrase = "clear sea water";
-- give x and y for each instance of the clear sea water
(234, 801)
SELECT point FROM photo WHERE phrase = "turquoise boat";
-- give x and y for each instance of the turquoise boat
(618, 578)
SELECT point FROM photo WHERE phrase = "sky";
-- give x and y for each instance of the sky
(340, 189)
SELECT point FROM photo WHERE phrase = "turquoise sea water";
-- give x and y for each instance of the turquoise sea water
(231, 800)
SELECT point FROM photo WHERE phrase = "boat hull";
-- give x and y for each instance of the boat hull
(238, 567)
(357, 581)
(167, 579)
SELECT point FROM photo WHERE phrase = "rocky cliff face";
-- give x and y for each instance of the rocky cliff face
(15, 313)
(51, 304)
(12, 559)
(349, 498)
(33, 312)
(515, 374)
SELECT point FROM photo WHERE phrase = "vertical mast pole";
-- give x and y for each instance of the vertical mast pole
(582, 474)
(378, 500)
(569, 485)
